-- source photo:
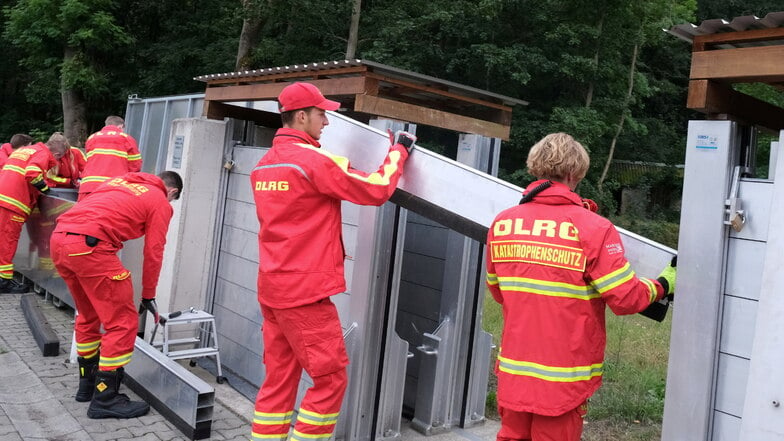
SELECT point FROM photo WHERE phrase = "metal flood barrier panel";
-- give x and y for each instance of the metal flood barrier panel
(723, 380)
(442, 367)
(32, 258)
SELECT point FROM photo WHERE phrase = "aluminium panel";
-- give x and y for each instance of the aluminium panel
(763, 412)
(737, 326)
(701, 260)
(725, 427)
(747, 258)
(731, 378)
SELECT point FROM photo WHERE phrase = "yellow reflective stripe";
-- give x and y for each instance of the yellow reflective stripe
(558, 374)
(95, 179)
(652, 292)
(89, 346)
(297, 435)
(374, 178)
(269, 436)
(265, 418)
(547, 288)
(80, 254)
(492, 279)
(135, 157)
(116, 361)
(108, 152)
(6, 275)
(317, 419)
(58, 179)
(14, 168)
(15, 203)
(6, 267)
(34, 168)
(614, 279)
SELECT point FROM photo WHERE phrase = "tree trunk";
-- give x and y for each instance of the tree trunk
(249, 36)
(595, 64)
(627, 99)
(353, 33)
(74, 109)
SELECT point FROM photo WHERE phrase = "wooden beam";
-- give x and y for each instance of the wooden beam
(270, 91)
(705, 42)
(219, 111)
(437, 91)
(752, 64)
(712, 97)
(431, 117)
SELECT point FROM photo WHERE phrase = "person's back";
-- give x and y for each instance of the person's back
(124, 208)
(18, 140)
(22, 177)
(554, 265)
(110, 152)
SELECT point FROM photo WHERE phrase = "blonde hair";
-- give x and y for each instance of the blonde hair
(558, 156)
(58, 137)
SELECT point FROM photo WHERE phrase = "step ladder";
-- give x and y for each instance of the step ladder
(206, 343)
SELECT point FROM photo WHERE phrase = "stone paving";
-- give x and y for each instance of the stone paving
(36, 392)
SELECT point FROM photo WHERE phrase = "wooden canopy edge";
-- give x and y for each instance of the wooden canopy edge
(712, 97)
(421, 115)
(752, 64)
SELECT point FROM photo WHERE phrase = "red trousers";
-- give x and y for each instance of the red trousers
(103, 293)
(526, 426)
(307, 337)
(10, 229)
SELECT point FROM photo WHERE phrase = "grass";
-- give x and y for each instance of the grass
(629, 405)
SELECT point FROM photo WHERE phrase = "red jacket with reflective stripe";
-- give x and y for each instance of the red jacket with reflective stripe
(24, 169)
(554, 265)
(69, 169)
(110, 153)
(125, 208)
(298, 188)
(5, 152)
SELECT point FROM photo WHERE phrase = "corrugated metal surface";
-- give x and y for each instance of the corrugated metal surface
(688, 31)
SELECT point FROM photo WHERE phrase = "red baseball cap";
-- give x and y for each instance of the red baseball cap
(301, 95)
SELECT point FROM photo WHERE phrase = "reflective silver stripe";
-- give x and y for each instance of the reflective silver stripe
(492, 279)
(550, 373)
(317, 419)
(543, 287)
(615, 278)
(272, 419)
(294, 166)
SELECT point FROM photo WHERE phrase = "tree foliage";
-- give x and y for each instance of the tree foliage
(601, 70)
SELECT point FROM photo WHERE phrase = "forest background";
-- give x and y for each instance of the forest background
(601, 70)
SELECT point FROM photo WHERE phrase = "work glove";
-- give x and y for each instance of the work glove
(152, 306)
(667, 278)
(405, 139)
(590, 205)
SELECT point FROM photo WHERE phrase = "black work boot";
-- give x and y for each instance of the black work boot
(108, 403)
(87, 369)
(11, 286)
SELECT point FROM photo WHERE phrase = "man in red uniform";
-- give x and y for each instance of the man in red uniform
(110, 153)
(21, 182)
(298, 188)
(84, 248)
(18, 140)
(554, 265)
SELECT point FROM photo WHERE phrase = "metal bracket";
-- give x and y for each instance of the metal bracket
(734, 215)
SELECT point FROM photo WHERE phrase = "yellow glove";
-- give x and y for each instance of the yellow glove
(667, 277)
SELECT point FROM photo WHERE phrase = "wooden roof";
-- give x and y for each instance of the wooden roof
(746, 49)
(365, 89)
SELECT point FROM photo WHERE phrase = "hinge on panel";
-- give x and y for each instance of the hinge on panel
(734, 215)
